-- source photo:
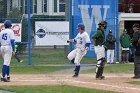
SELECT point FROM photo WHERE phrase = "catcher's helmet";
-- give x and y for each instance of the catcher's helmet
(7, 23)
(81, 26)
(103, 24)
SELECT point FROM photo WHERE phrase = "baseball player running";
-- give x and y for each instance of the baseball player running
(99, 39)
(7, 41)
(82, 45)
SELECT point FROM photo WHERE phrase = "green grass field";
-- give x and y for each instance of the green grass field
(51, 89)
(56, 56)
(134, 82)
(115, 68)
(47, 56)
(35, 69)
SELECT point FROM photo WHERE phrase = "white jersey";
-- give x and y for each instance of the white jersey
(5, 37)
(82, 39)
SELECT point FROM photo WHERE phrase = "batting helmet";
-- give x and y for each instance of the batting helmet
(7, 23)
(81, 26)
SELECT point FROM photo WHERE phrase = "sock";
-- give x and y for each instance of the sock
(77, 68)
(72, 61)
(8, 70)
(4, 71)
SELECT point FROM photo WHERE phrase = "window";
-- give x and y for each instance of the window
(59, 6)
(44, 6)
(55, 5)
(31, 7)
(21, 5)
(35, 6)
(26, 6)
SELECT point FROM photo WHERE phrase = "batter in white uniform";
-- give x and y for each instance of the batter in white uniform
(82, 45)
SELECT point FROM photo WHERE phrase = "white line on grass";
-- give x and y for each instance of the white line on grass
(76, 81)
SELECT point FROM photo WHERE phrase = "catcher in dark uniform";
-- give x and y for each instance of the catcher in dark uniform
(99, 41)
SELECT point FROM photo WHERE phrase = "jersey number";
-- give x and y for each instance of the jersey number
(4, 36)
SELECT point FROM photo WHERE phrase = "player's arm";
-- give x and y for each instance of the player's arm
(12, 41)
(71, 40)
(94, 40)
(97, 34)
(13, 44)
(88, 42)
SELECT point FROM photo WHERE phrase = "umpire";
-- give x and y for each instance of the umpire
(136, 44)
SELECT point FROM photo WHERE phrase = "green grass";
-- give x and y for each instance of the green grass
(115, 68)
(35, 69)
(134, 82)
(51, 89)
(47, 56)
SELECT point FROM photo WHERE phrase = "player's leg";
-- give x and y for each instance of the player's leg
(123, 56)
(4, 67)
(137, 67)
(108, 56)
(101, 62)
(16, 56)
(7, 58)
(71, 56)
(78, 58)
(112, 56)
(127, 56)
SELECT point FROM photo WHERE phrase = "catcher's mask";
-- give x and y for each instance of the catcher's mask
(103, 24)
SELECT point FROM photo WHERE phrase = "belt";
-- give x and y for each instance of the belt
(6, 45)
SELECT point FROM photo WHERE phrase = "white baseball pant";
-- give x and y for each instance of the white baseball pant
(6, 52)
(77, 54)
(100, 52)
(110, 55)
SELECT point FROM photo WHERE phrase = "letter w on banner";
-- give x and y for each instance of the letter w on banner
(91, 12)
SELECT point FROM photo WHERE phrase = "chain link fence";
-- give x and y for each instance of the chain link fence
(34, 46)
(24, 14)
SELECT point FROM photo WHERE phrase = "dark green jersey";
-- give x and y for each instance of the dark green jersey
(125, 40)
(99, 36)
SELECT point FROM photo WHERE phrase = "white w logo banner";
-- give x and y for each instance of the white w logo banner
(91, 12)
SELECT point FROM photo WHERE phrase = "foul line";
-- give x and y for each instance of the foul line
(75, 81)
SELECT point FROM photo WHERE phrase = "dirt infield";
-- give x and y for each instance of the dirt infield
(112, 82)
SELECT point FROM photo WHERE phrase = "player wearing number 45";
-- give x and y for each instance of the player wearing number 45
(82, 45)
(7, 41)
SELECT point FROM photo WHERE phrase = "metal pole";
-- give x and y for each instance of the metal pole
(29, 33)
(117, 32)
(70, 23)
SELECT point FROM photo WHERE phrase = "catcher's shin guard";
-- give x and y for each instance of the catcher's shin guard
(100, 67)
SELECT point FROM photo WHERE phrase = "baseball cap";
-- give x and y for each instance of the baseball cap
(136, 25)
(124, 30)
(110, 31)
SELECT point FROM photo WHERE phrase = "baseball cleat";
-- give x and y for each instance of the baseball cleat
(100, 78)
(20, 61)
(8, 78)
(5, 80)
(136, 77)
(75, 75)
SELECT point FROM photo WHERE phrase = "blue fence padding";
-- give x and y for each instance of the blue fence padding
(91, 12)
